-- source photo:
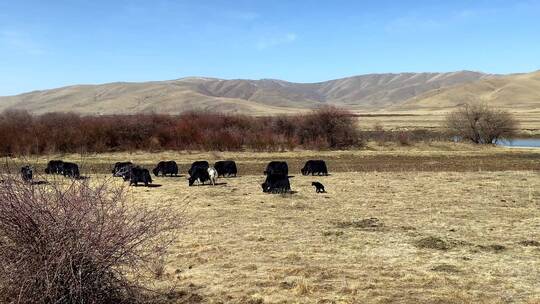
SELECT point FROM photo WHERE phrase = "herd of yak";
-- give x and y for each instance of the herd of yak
(277, 172)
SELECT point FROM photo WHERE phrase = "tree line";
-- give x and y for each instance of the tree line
(329, 128)
(23, 133)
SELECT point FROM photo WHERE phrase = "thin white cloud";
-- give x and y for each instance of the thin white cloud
(19, 41)
(268, 42)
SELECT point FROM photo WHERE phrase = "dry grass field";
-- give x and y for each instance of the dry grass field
(529, 121)
(407, 237)
(430, 224)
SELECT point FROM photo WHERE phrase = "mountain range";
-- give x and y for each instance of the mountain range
(365, 93)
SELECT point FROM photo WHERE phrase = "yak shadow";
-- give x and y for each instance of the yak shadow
(82, 177)
(286, 192)
(39, 182)
(30, 182)
(174, 176)
(217, 184)
(149, 185)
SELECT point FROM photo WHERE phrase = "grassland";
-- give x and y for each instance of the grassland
(433, 223)
(408, 237)
(434, 156)
(529, 121)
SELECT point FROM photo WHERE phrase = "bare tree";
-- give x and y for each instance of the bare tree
(77, 243)
(481, 124)
(329, 128)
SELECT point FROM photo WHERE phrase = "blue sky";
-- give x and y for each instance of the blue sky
(46, 44)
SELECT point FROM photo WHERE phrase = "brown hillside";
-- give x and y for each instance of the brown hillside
(254, 97)
(519, 92)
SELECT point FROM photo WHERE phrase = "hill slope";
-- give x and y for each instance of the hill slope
(256, 97)
(516, 92)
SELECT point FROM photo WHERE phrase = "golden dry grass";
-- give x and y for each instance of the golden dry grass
(402, 236)
(529, 121)
(244, 246)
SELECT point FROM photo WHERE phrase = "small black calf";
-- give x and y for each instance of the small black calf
(319, 188)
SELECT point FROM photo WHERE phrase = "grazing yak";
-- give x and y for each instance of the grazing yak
(277, 168)
(276, 184)
(198, 164)
(55, 167)
(226, 168)
(27, 173)
(121, 168)
(166, 167)
(313, 167)
(199, 174)
(277, 179)
(138, 175)
(70, 170)
(202, 175)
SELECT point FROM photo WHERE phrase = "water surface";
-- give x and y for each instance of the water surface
(521, 143)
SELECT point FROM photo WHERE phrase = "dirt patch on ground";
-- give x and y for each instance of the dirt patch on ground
(531, 243)
(492, 248)
(372, 223)
(332, 233)
(446, 268)
(186, 294)
(432, 242)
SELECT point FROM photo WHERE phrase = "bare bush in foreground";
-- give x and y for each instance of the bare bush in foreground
(481, 124)
(77, 243)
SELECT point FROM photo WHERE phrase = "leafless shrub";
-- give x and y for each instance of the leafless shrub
(77, 243)
(481, 124)
(404, 138)
(329, 127)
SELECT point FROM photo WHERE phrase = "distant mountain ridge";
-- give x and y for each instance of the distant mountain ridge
(517, 92)
(372, 92)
